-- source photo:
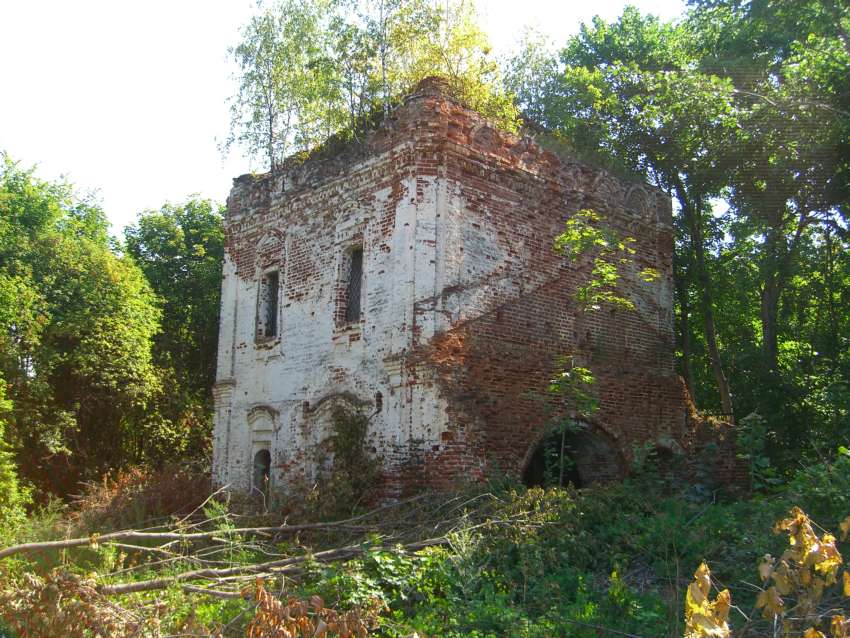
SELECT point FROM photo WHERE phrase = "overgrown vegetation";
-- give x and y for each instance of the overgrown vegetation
(107, 356)
(499, 560)
(320, 70)
(352, 473)
(738, 110)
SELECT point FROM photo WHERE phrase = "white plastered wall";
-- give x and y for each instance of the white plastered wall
(314, 361)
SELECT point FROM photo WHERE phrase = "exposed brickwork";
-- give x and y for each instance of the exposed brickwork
(465, 304)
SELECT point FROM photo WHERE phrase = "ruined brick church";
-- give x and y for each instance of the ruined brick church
(412, 277)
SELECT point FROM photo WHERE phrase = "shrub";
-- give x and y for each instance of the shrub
(14, 498)
(138, 497)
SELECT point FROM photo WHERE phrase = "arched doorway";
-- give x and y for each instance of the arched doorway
(262, 472)
(574, 452)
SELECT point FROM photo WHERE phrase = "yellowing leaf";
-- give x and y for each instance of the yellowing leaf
(705, 618)
(766, 567)
(772, 603)
(702, 578)
(801, 536)
(694, 598)
(846, 583)
(722, 604)
(702, 625)
(845, 528)
(838, 627)
(811, 632)
(782, 578)
(827, 559)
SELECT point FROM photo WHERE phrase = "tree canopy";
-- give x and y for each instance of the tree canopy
(317, 69)
(738, 110)
(76, 352)
(107, 355)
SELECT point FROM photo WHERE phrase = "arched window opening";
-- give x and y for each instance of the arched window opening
(262, 471)
(379, 402)
(267, 305)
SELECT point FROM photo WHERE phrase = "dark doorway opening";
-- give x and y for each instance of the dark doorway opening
(262, 471)
(552, 463)
(577, 453)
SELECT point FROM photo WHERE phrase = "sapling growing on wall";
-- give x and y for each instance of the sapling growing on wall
(586, 236)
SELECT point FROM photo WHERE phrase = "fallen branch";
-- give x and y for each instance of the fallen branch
(276, 567)
(215, 593)
(184, 537)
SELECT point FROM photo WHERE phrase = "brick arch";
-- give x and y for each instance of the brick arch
(326, 402)
(269, 250)
(318, 422)
(262, 417)
(595, 452)
(638, 201)
(317, 414)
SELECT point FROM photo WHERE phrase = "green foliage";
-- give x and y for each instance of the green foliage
(76, 345)
(322, 70)
(105, 363)
(586, 236)
(823, 488)
(14, 497)
(736, 111)
(278, 91)
(352, 472)
(577, 563)
(751, 436)
(180, 248)
(556, 562)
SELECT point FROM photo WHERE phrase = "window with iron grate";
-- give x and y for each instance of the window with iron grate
(354, 286)
(267, 305)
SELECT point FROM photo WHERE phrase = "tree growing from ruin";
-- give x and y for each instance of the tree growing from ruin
(310, 71)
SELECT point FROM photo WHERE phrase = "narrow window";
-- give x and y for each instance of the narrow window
(355, 284)
(267, 306)
(262, 471)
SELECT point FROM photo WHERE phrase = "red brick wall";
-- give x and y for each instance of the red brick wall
(495, 366)
(506, 308)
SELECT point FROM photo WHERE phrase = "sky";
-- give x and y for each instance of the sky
(128, 100)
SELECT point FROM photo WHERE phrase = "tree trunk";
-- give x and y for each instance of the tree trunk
(779, 260)
(769, 312)
(829, 280)
(693, 219)
(684, 327)
(384, 36)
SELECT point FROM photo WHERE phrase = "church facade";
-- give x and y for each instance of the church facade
(412, 278)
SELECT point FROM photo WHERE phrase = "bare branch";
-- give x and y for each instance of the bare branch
(275, 567)
(195, 536)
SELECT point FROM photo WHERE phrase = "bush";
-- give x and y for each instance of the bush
(139, 497)
(823, 489)
(14, 498)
